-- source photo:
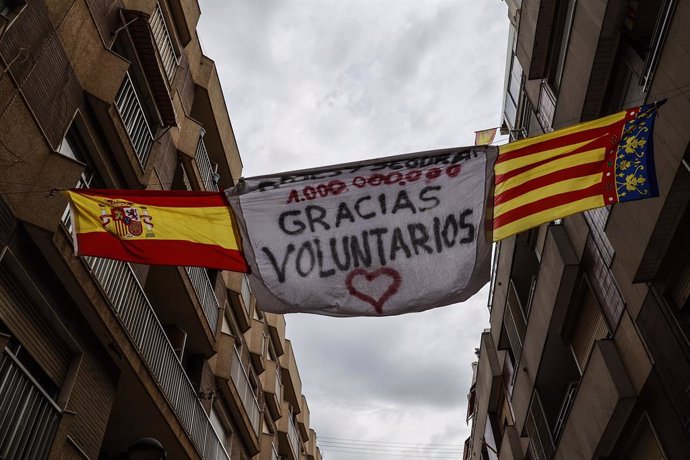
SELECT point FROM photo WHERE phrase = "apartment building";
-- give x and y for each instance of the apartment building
(587, 355)
(97, 354)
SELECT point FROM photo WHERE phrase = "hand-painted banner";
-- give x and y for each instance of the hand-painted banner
(383, 237)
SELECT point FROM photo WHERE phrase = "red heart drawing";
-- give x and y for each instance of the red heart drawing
(393, 275)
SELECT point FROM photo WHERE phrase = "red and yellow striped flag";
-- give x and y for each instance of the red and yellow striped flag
(156, 227)
(574, 169)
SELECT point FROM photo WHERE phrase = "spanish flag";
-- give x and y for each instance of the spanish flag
(585, 166)
(156, 227)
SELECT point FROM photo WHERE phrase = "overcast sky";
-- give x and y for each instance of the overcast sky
(317, 82)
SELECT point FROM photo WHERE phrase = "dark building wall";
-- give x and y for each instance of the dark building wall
(631, 399)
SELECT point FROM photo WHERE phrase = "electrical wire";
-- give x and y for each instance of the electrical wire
(386, 442)
(412, 450)
(375, 454)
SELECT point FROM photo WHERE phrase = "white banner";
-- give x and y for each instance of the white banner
(383, 237)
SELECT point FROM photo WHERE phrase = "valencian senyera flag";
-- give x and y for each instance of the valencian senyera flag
(156, 227)
(382, 237)
(485, 136)
(585, 166)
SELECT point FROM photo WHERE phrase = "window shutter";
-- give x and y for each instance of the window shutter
(26, 322)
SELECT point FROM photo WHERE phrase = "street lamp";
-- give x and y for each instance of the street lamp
(146, 449)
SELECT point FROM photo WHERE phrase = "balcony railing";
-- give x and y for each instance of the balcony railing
(279, 384)
(207, 169)
(565, 409)
(515, 322)
(541, 444)
(134, 311)
(241, 380)
(246, 295)
(28, 417)
(274, 452)
(134, 118)
(204, 292)
(547, 106)
(161, 35)
(293, 436)
(494, 271)
(661, 29)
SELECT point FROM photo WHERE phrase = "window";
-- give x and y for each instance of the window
(559, 45)
(271, 352)
(17, 350)
(73, 146)
(219, 427)
(513, 83)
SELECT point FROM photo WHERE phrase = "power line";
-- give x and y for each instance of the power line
(388, 442)
(455, 457)
(414, 450)
(394, 446)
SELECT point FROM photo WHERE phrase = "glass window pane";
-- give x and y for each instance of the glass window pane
(510, 111)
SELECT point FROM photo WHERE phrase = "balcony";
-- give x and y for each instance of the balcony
(276, 329)
(135, 120)
(206, 295)
(246, 295)
(256, 342)
(546, 107)
(273, 388)
(292, 383)
(303, 420)
(244, 389)
(310, 446)
(235, 283)
(161, 35)
(134, 312)
(28, 417)
(269, 450)
(207, 170)
(288, 436)
(565, 409)
(602, 405)
(515, 322)
(541, 444)
(235, 385)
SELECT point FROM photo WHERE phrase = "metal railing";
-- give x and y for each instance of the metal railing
(161, 36)
(241, 380)
(207, 169)
(515, 322)
(541, 443)
(279, 384)
(293, 437)
(205, 293)
(274, 452)
(565, 409)
(494, 272)
(661, 29)
(134, 118)
(28, 416)
(546, 106)
(134, 311)
(246, 293)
